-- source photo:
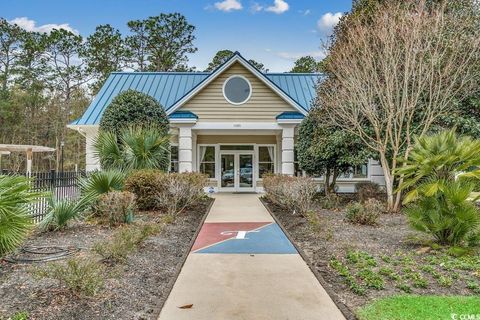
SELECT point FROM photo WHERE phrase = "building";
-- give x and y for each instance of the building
(233, 124)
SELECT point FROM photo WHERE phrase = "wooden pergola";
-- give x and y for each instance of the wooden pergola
(28, 149)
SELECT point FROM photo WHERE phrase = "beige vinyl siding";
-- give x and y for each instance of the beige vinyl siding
(210, 104)
(214, 139)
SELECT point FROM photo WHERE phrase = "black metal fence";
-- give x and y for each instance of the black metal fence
(62, 185)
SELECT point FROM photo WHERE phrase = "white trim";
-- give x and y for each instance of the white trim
(249, 85)
(236, 58)
(182, 120)
(237, 126)
(289, 121)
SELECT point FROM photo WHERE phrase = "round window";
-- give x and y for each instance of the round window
(237, 90)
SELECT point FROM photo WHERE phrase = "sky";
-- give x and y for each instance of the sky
(273, 32)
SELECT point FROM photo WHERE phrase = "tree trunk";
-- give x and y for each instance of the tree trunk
(327, 182)
(389, 182)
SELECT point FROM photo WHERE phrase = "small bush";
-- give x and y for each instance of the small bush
(116, 207)
(145, 184)
(80, 275)
(172, 192)
(21, 315)
(330, 201)
(123, 242)
(292, 193)
(365, 214)
(182, 190)
(367, 190)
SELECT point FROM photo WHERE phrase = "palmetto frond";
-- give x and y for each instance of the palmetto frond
(16, 198)
(101, 182)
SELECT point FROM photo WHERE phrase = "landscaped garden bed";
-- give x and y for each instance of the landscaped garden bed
(362, 263)
(133, 288)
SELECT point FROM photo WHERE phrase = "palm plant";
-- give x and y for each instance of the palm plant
(134, 148)
(451, 218)
(438, 160)
(16, 198)
(101, 182)
(437, 177)
(60, 212)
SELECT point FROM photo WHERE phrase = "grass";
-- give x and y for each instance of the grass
(420, 307)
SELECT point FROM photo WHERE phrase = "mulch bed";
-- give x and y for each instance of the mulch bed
(392, 238)
(135, 291)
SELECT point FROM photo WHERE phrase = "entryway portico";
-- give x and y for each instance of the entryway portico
(235, 156)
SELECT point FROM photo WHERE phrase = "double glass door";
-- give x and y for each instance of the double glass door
(236, 171)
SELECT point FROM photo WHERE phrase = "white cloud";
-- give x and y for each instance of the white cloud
(256, 8)
(328, 21)
(31, 25)
(305, 12)
(279, 6)
(228, 5)
(295, 55)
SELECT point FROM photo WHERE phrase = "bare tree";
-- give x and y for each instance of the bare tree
(393, 76)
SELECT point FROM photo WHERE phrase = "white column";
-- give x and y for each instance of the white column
(288, 133)
(92, 163)
(185, 146)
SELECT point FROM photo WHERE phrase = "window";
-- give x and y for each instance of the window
(207, 160)
(173, 158)
(237, 90)
(266, 158)
(356, 172)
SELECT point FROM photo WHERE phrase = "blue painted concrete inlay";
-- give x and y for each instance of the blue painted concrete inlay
(267, 240)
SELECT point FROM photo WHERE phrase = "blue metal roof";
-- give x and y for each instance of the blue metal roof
(290, 115)
(169, 87)
(183, 115)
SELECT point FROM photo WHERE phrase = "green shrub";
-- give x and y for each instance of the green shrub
(61, 212)
(295, 194)
(116, 207)
(124, 242)
(145, 184)
(16, 198)
(134, 108)
(365, 214)
(21, 315)
(172, 192)
(80, 275)
(367, 190)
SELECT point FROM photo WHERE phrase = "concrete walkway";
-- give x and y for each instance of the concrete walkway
(242, 266)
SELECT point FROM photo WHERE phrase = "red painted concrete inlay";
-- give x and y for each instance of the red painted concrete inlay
(211, 233)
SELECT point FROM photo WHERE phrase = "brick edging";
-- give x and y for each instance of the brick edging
(158, 308)
(343, 308)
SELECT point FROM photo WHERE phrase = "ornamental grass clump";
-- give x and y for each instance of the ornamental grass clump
(295, 194)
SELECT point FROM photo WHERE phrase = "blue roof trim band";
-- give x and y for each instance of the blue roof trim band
(290, 115)
(183, 115)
